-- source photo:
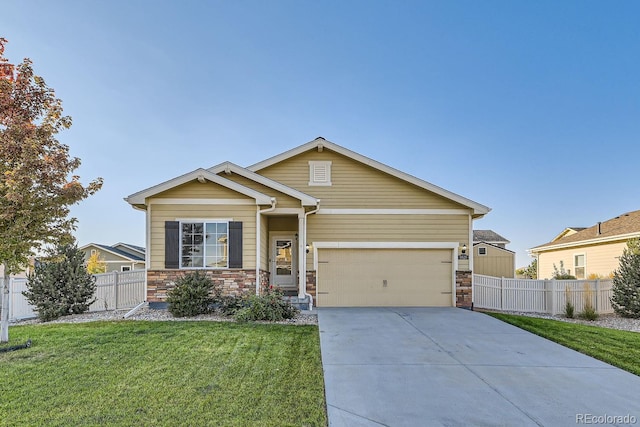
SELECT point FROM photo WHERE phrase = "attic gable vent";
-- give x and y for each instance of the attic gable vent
(320, 173)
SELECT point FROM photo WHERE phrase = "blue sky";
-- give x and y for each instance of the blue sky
(531, 108)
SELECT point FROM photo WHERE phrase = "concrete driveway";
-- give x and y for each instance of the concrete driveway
(453, 367)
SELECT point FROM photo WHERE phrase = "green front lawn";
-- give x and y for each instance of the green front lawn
(618, 348)
(134, 373)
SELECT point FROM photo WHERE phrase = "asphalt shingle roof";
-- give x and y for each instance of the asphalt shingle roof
(626, 223)
(488, 236)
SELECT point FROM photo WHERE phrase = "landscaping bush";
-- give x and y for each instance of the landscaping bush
(588, 312)
(230, 304)
(562, 274)
(626, 282)
(268, 306)
(61, 285)
(569, 309)
(193, 294)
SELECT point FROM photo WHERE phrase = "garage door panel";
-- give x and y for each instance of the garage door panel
(384, 277)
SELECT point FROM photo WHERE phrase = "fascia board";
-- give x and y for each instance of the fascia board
(141, 196)
(608, 239)
(306, 199)
(479, 210)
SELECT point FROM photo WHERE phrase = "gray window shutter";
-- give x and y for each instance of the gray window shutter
(235, 244)
(171, 244)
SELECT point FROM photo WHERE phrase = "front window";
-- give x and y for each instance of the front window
(204, 245)
(579, 266)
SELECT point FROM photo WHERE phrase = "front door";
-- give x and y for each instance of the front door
(283, 261)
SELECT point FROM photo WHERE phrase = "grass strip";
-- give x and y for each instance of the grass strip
(618, 348)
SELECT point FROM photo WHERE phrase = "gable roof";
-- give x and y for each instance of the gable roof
(134, 248)
(200, 175)
(115, 251)
(622, 227)
(567, 232)
(493, 246)
(479, 210)
(229, 167)
(488, 236)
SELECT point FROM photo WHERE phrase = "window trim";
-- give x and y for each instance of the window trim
(583, 266)
(313, 164)
(122, 268)
(204, 221)
(485, 251)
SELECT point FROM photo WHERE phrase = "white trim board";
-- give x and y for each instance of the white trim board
(178, 201)
(393, 212)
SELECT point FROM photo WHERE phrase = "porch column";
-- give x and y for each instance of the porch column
(302, 256)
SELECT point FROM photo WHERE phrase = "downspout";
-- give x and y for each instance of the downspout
(304, 257)
(258, 235)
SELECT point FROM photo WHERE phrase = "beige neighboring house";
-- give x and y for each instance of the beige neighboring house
(325, 224)
(491, 257)
(588, 251)
(118, 257)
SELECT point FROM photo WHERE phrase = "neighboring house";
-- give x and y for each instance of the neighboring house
(317, 221)
(588, 251)
(491, 257)
(118, 257)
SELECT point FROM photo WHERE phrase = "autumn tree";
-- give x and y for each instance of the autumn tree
(37, 184)
(95, 264)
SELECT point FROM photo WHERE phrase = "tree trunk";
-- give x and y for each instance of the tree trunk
(4, 311)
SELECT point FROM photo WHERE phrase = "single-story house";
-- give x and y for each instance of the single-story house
(118, 257)
(325, 224)
(592, 251)
(491, 257)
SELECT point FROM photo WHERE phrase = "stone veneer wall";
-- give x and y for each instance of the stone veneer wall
(311, 283)
(464, 286)
(232, 281)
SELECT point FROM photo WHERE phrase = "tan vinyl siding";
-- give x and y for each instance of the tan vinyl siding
(354, 185)
(496, 263)
(283, 200)
(389, 228)
(197, 190)
(599, 259)
(162, 213)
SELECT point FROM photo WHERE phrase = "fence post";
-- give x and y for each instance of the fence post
(115, 288)
(502, 293)
(598, 296)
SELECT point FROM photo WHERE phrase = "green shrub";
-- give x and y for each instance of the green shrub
(268, 306)
(569, 309)
(230, 304)
(61, 285)
(562, 274)
(193, 294)
(588, 312)
(626, 282)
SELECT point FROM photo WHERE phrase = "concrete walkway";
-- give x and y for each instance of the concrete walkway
(453, 367)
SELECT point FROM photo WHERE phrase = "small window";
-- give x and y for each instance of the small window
(125, 268)
(578, 263)
(93, 252)
(320, 173)
(482, 250)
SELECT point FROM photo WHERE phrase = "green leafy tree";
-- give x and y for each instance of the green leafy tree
(561, 274)
(530, 271)
(626, 282)
(37, 184)
(61, 285)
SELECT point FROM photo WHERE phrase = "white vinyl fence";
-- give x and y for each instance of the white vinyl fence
(540, 296)
(115, 290)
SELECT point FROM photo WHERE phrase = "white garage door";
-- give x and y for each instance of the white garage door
(384, 277)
